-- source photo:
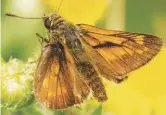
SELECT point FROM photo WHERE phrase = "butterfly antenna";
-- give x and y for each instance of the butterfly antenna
(60, 5)
(13, 15)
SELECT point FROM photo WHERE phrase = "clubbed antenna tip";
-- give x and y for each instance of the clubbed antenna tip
(13, 15)
(9, 14)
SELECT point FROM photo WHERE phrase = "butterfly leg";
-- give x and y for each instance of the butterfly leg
(41, 39)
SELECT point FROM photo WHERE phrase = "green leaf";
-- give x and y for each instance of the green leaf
(98, 111)
(25, 102)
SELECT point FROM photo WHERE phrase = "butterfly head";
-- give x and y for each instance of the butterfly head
(52, 20)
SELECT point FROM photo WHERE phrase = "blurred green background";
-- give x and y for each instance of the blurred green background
(19, 39)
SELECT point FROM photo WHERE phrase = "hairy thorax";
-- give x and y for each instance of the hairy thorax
(68, 35)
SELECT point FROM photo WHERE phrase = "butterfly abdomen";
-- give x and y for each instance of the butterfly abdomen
(92, 79)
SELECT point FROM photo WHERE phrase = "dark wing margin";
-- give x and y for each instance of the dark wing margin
(55, 83)
(116, 53)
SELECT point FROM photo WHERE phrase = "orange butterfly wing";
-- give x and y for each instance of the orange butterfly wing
(56, 85)
(116, 53)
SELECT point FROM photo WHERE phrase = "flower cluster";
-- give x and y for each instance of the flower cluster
(16, 83)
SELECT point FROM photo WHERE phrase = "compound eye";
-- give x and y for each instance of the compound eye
(47, 22)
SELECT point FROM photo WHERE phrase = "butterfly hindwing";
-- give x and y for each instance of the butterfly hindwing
(118, 53)
(55, 83)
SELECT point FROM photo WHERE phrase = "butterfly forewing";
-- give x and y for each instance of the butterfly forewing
(119, 52)
(55, 83)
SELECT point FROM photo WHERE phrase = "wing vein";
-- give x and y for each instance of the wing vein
(49, 80)
(121, 60)
(115, 35)
(143, 46)
(57, 87)
(65, 82)
(87, 35)
(138, 48)
(108, 63)
(134, 52)
(62, 92)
